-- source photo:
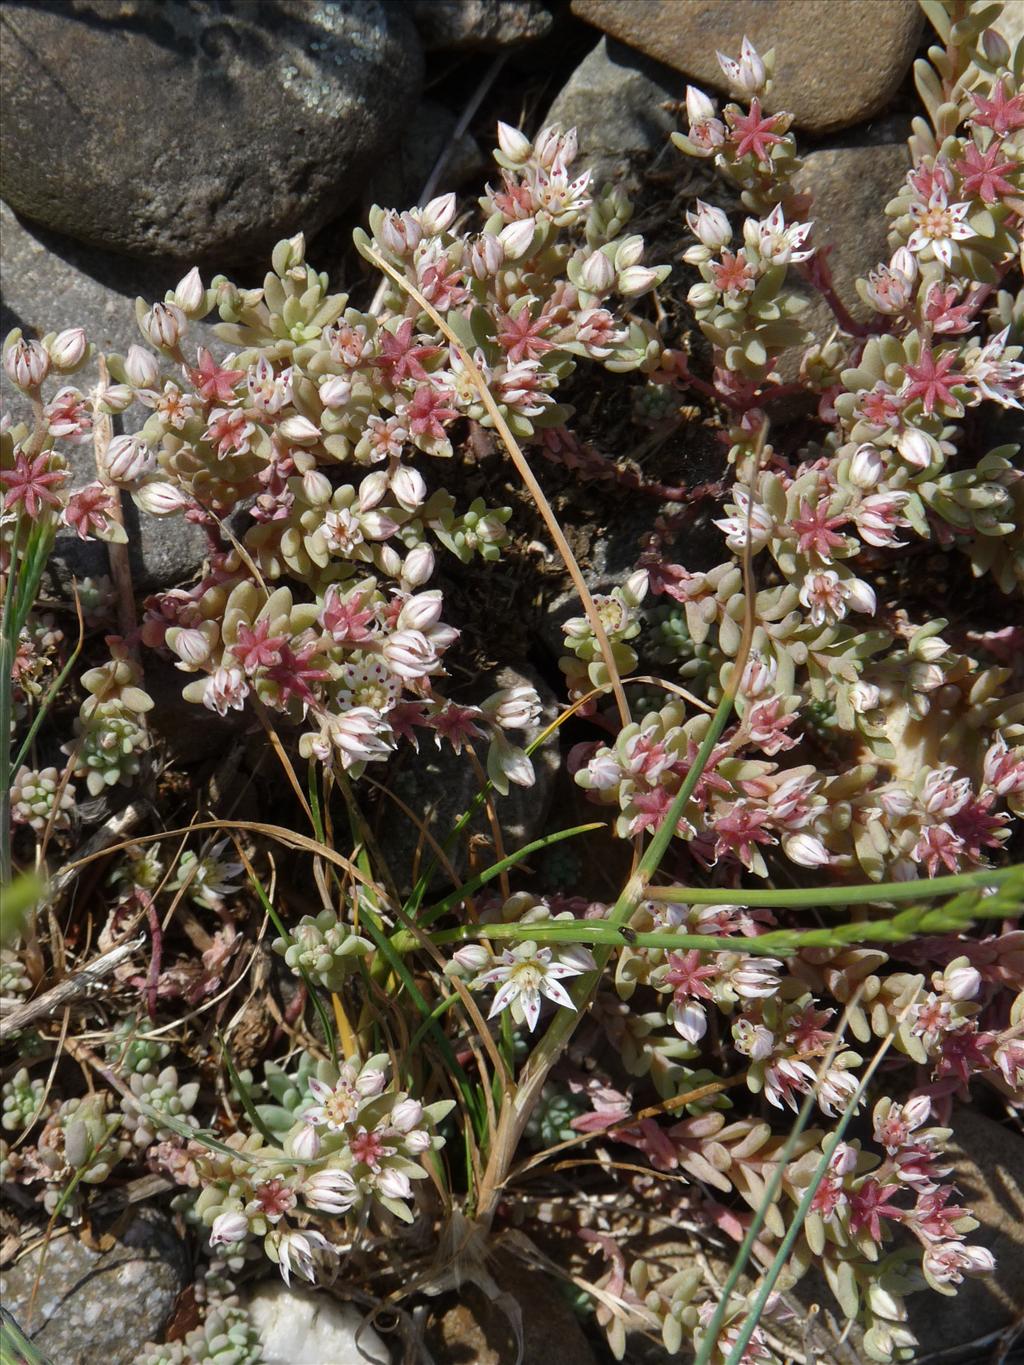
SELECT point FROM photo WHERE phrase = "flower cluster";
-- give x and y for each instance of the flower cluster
(360, 1141)
(916, 761)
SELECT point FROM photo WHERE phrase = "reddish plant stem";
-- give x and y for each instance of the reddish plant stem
(156, 959)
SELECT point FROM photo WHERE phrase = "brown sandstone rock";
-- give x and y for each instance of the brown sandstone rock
(837, 61)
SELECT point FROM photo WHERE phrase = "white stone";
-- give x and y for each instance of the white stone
(301, 1328)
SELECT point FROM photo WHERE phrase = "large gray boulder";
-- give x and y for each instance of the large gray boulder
(179, 128)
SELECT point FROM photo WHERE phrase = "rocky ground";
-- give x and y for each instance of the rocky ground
(142, 137)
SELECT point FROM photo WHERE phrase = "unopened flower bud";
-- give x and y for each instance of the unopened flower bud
(68, 348)
(546, 146)
(418, 567)
(860, 595)
(229, 1228)
(930, 648)
(516, 146)
(865, 697)
(410, 654)
(961, 981)
(699, 107)
(916, 448)
(389, 561)
(748, 75)
(26, 363)
(393, 1184)
(709, 225)
(141, 368)
(597, 273)
(807, 850)
(473, 957)
(400, 233)
(406, 1115)
(637, 280)
(305, 1145)
(867, 466)
(628, 252)
(115, 398)
(373, 489)
(409, 487)
(513, 708)
(486, 256)
(438, 214)
(192, 646)
(127, 459)
(336, 391)
(517, 238)
(758, 676)
(422, 611)
(636, 586)
(164, 325)
(299, 431)
(161, 499)
(189, 294)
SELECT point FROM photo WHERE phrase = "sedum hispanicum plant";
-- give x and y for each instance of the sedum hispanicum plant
(818, 738)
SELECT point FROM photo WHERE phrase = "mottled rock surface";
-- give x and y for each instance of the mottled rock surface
(487, 24)
(988, 1168)
(851, 186)
(297, 1326)
(99, 1308)
(614, 101)
(837, 61)
(194, 130)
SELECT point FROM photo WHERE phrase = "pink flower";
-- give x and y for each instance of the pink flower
(733, 275)
(427, 410)
(31, 482)
(274, 1199)
(1000, 114)
(255, 648)
(868, 1206)
(816, 530)
(938, 844)
(401, 357)
(68, 416)
(753, 133)
(90, 511)
(931, 381)
(229, 432)
(520, 336)
(214, 384)
(739, 829)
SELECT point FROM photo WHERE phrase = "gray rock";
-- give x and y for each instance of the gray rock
(851, 186)
(836, 61)
(988, 1168)
(474, 24)
(299, 1326)
(399, 181)
(99, 1308)
(200, 131)
(613, 99)
(438, 786)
